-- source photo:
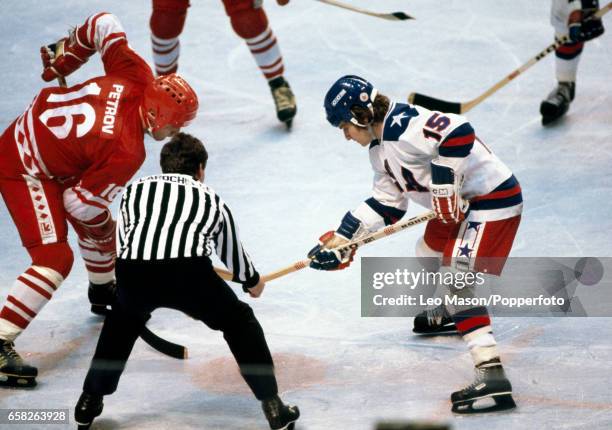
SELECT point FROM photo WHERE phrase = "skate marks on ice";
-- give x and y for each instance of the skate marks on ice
(50, 363)
(293, 372)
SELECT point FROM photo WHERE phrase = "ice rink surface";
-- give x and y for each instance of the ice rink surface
(285, 189)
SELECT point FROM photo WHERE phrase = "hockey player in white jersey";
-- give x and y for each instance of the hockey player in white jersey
(435, 160)
(573, 18)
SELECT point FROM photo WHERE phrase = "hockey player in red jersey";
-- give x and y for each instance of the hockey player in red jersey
(249, 21)
(573, 18)
(66, 158)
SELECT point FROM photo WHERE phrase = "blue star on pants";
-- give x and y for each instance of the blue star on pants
(473, 224)
(465, 251)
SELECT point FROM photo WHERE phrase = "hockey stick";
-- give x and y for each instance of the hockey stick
(455, 107)
(383, 232)
(394, 16)
(164, 346)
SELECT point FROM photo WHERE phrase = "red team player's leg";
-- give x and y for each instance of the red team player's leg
(37, 209)
(100, 268)
(167, 22)
(249, 21)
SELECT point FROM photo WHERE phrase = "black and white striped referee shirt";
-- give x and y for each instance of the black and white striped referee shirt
(175, 216)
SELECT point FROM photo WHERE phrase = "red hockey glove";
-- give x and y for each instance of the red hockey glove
(100, 232)
(325, 258)
(445, 198)
(448, 205)
(64, 57)
(282, 2)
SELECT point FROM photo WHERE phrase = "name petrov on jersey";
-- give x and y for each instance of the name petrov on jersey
(112, 102)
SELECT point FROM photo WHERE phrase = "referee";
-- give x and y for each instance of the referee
(167, 228)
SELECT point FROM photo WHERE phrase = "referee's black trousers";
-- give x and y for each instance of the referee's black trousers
(191, 286)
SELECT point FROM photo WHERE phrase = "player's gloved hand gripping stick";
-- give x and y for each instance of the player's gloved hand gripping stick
(349, 246)
(461, 108)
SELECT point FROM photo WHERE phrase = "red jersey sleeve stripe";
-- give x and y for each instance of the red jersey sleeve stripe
(92, 28)
(112, 36)
(461, 140)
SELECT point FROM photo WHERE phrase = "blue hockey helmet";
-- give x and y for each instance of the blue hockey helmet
(344, 94)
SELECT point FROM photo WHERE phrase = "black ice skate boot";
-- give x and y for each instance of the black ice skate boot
(490, 392)
(87, 408)
(557, 103)
(14, 372)
(434, 321)
(279, 415)
(284, 100)
(101, 297)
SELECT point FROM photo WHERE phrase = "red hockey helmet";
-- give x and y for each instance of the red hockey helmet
(171, 101)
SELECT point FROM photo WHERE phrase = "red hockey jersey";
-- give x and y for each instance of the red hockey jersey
(89, 135)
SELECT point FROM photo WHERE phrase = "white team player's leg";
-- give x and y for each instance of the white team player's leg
(567, 57)
(436, 320)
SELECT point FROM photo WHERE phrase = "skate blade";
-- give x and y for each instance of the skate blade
(450, 329)
(15, 381)
(286, 116)
(485, 404)
(289, 426)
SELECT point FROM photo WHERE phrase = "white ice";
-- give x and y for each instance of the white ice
(344, 371)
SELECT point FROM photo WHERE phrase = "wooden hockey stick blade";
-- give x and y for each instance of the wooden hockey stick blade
(401, 16)
(164, 346)
(433, 103)
(460, 108)
(395, 16)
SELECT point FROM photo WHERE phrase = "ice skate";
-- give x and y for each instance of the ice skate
(557, 103)
(279, 415)
(87, 408)
(490, 392)
(284, 100)
(14, 372)
(434, 321)
(101, 297)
